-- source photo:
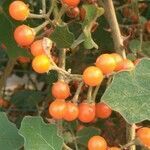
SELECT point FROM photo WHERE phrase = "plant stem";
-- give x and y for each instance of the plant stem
(113, 23)
(128, 144)
(40, 27)
(36, 16)
(95, 93)
(8, 69)
(53, 3)
(130, 133)
(89, 94)
(66, 147)
(44, 6)
(76, 96)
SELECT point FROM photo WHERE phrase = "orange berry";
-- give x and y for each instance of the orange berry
(97, 143)
(18, 10)
(57, 109)
(71, 3)
(86, 112)
(41, 64)
(23, 59)
(73, 12)
(117, 59)
(3, 103)
(103, 111)
(60, 90)
(24, 35)
(106, 63)
(144, 136)
(71, 112)
(92, 76)
(37, 48)
(126, 64)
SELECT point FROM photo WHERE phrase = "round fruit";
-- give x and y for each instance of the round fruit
(97, 143)
(41, 64)
(118, 59)
(18, 10)
(103, 111)
(71, 112)
(92, 76)
(106, 63)
(37, 48)
(60, 90)
(73, 12)
(57, 109)
(3, 103)
(126, 64)
(114, 148)
(24, 35)
(86, 112)
(71, 3)
(144, 136)
(23, 59)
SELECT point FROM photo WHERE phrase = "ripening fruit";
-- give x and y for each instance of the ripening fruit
(4, 103)
(97, 143)
(24, 35)
(37, 48)
(18, 10)
(57, 109)
(71, 3)
(73, 12)
(86, 112)
(60, 90)
(23, 59)
(118, 59)
(114, 148)
(41, 64)
(144, 136)
(103, 111)
(126, 64)
(71, 111)
(106, 63)
(92, 76)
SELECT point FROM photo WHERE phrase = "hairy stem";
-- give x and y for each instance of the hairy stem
(76, 96)
(44, 6)
(112, 20)
(8, 69)
(89, 95)
(130, 133)
(95, 93)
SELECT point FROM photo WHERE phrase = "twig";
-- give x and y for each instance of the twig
(76, 96)
(89, 95)
(53, 3)
(130, 133)
(112, 20)
(7, 72)
(66, 147)
(36, 16)
(133, 142)
(44, 6)
(95, 93)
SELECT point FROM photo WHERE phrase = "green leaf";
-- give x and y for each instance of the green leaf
(146, 48)
(27, 99)
(134, 46)
(85, 134)
(9, 137)
(62, 37)
(39, 135)
(129, 93)
(7, 27)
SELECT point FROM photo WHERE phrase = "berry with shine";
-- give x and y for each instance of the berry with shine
(71, 111)
(71, 3)
(86, 112)
(57, 109)
(60, 90)
(24, 35)
(41, 64)
(106, 63)
(18, 10)
(97, 143)
(92, 76)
